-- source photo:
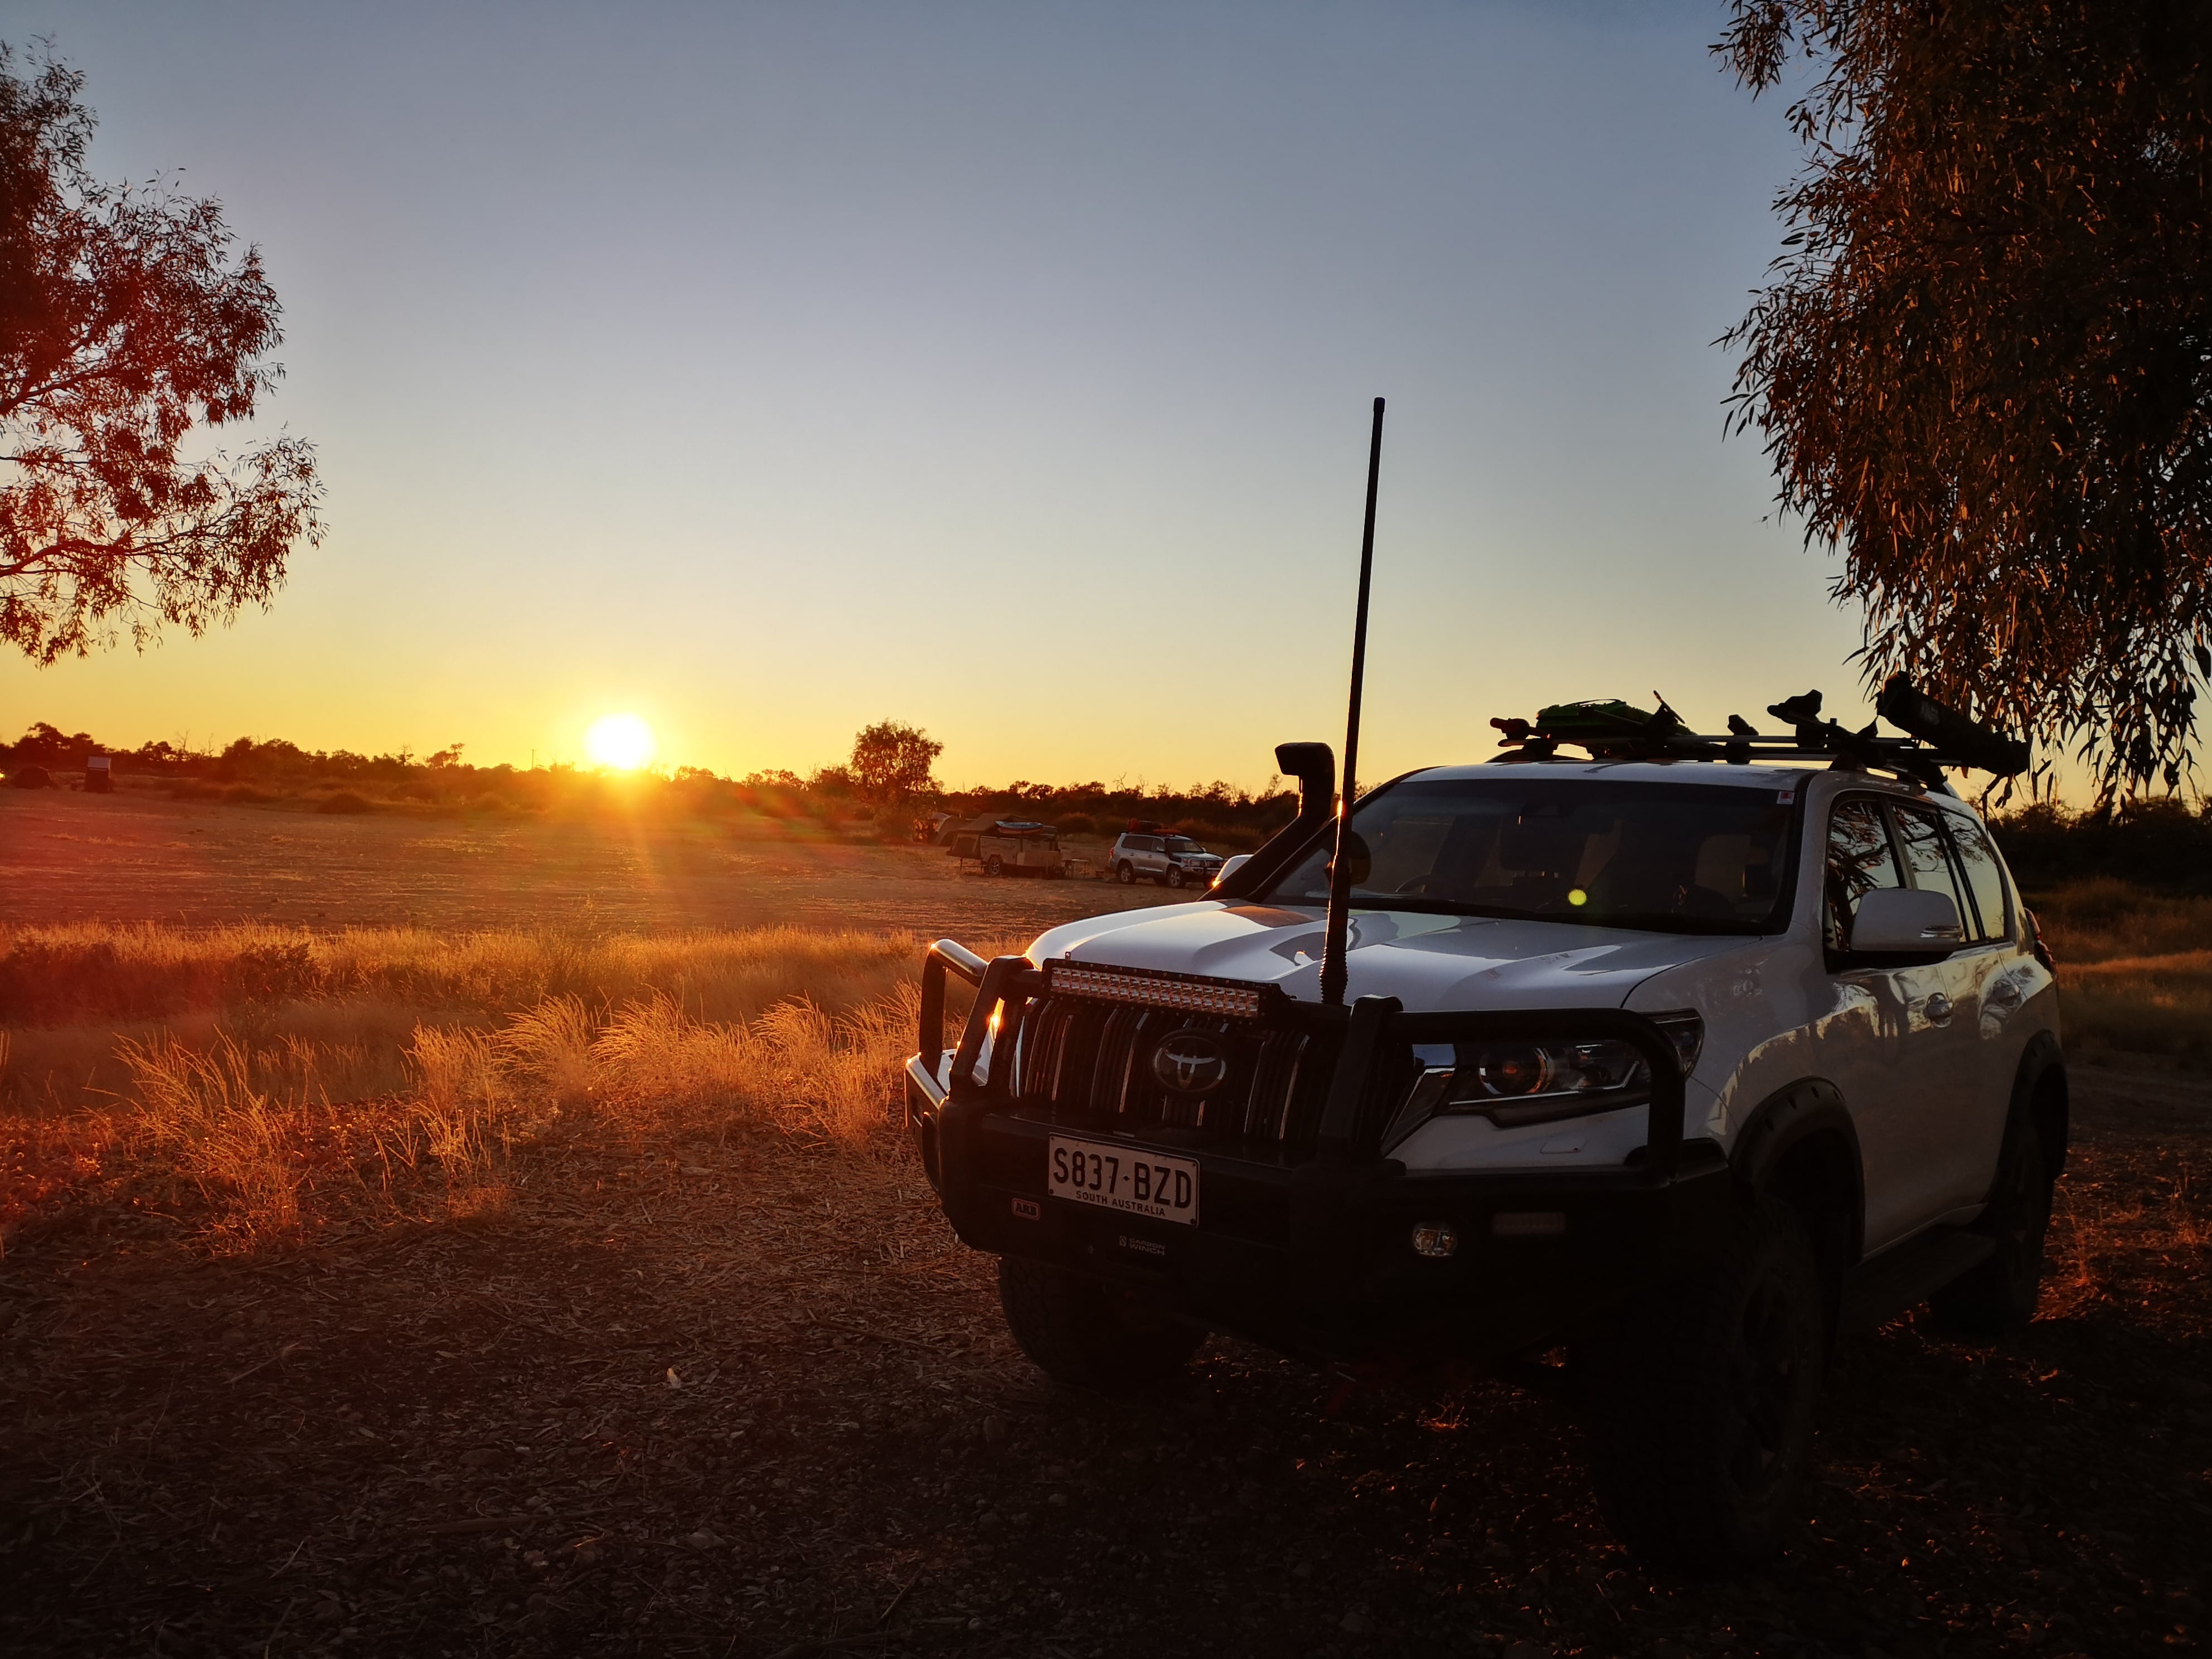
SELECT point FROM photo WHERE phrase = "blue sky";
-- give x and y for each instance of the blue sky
(767, 370)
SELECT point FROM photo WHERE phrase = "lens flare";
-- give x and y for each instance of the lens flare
(621, 742)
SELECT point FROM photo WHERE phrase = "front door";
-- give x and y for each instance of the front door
(1963, 1129)
(1890, 1047)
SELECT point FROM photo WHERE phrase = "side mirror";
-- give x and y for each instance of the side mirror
(1904, 921)
(1229, 867)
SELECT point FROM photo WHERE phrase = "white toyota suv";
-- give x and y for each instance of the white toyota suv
(1674, 1059)
(1171, 861)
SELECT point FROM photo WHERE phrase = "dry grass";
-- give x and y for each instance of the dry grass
(276, 1082)
(55, 976)
(2103, 920)
(2134, 967)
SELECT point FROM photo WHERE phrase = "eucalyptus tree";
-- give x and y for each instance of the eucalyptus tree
(128, 324)
(1983, 363)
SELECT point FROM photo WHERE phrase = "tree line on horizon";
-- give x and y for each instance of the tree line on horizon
(885, 789)
(2158, 841)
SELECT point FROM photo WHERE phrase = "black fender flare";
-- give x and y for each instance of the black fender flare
(1808, 1109)
(2041, 1077)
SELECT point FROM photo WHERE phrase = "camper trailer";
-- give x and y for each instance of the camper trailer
(1012, 846)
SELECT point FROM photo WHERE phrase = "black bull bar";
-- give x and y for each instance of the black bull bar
(1310, 1249)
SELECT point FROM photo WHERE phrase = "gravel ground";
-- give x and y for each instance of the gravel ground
(726, 1395)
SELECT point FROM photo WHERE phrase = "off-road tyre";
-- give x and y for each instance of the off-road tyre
(1703, 1394)
(1077, 1331)
(1175, 878)
(1126, 873)
(992, 867)
(1997, 1298)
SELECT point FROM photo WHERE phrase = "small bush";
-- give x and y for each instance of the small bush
(344, 801)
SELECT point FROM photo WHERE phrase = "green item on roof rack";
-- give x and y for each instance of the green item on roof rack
(1605, 717)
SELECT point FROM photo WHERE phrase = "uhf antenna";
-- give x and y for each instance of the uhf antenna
(1336, 939)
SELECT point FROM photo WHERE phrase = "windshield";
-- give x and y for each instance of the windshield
(1671, 857)
(1183, 844)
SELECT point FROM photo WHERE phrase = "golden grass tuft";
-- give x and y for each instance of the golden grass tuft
(551, 1046)
(203, 1113)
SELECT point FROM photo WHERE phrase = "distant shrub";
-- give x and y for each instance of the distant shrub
(344, 801)
(246, 794)
(1215, 837)
(1077, 823)
(2156, 842)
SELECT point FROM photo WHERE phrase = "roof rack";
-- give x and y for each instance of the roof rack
(1937, 737)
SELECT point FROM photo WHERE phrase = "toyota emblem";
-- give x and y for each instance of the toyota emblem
(1190, 1062)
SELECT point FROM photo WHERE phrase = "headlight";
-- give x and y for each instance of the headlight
(1511, 1083)
(1514, 1083)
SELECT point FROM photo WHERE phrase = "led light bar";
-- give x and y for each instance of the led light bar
(1194, 996)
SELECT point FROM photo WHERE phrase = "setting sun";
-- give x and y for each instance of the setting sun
(621, 741)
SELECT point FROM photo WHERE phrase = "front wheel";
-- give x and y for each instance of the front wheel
(1704, 1394)
(1076, 1331)
(1998, 1297)
(1175, 877)
(992, 867)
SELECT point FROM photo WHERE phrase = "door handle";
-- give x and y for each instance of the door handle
(1938, 1007)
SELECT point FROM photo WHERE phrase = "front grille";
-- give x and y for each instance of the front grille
(1084, 1054)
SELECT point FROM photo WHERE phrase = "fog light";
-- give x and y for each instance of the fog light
(1527, 1223)
(1437, 1238)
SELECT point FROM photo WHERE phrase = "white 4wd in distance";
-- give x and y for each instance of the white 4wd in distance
(1171, 861)
(1681, 1064)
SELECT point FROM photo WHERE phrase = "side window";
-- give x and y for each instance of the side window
(1928, 858)
(1984, 878)
(1859, 861)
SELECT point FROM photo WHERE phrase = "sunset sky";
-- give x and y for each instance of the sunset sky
(767, 370)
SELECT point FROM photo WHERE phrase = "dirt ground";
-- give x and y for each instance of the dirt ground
(140, 857)
(728, 1396)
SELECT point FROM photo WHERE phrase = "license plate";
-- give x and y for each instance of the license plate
(1124, 1178)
